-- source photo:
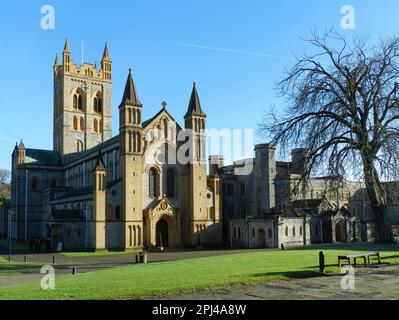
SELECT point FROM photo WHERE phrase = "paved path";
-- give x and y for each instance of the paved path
(372, 283)
(47, 258)
(85, 264)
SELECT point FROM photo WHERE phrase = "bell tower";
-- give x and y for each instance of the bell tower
(130, 135)
(196, 219)
(82, 103)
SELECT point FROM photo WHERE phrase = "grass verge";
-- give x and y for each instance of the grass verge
(187, 275)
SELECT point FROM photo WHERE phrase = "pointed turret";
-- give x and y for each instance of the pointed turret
(66, 47)
(106, 64)
(66, 57)
(100, 166)
(21, 153)
(106, 56)
(21, 145)
(99, 204)
(57, 61)
(130, 96)
(194, 107)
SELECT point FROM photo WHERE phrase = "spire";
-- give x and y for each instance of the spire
(106, 56)
(21, 145)
(56, 62)
(66, 47)
(130, 94)
(194, 107)
(99, 162)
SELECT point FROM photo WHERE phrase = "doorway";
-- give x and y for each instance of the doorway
(340, 232)
(162, 233)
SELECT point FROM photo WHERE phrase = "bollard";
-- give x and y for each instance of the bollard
(74, 271)
(25, 259)
(53, 260)
(282, 246)
(322, 266)
(137, 258)
(9, 258)
(145, 257)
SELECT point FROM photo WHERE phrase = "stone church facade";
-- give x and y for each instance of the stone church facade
(262, 206)
(98, 192)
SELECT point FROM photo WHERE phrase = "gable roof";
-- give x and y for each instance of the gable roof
(148, 121)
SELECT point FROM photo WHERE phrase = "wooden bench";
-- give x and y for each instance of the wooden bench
(365, 256)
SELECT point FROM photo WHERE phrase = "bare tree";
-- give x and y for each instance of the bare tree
(343, 105)
(4, 184)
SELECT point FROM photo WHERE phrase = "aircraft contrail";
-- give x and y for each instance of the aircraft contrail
(258, 54)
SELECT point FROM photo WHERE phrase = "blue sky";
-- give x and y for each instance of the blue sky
(163, 42)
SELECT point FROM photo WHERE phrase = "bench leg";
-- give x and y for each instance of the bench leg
(379, 259)
(354, 262)
(369, 260)
(365, 261)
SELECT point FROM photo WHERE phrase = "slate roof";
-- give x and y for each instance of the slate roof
(43, 157)
(92, 151)
(130, 94)
(76, 193)
(194, 107)
(72, 214)
(304, 204)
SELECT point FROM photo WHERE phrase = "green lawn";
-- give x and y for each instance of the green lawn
(96, 254)
(187, 275)
(12, 269)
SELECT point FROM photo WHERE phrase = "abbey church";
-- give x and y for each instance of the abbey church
(148, 186)
(94, 191)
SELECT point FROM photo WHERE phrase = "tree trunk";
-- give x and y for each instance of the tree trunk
(382, 231)
(378, 202)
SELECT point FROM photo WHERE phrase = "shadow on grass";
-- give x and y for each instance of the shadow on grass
(360, 246)
(10, 270)
(303, 274)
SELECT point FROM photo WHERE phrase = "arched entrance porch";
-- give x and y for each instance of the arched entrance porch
(162, 226)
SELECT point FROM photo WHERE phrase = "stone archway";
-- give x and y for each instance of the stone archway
(162, 219)
(340, 232)
(162, 233)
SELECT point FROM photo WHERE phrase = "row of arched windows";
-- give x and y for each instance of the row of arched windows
(98, 126)
(79, 124)
(153, 186)
(134, 116)
(293, 231)
(134, 141)
(199, 124)
(237, 232)
(78, 102)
